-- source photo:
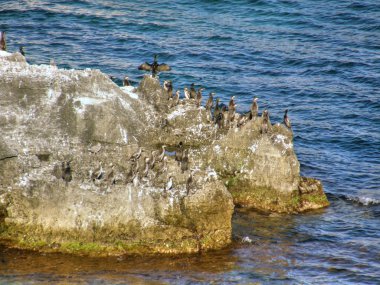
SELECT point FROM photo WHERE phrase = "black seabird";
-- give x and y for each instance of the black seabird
(189, 183)
(185, 161)
(254, 109)
(126, 81)
(231, 110)
(154, 66)
(66, 172)
(210, 101)
(193, 93)
(179, 152)
(219, 120)
(264, 124)
(287, 120)
(22, 51)
(232, 104)
(199, 96)
(217, 109)
(168, 87)
(3, 42)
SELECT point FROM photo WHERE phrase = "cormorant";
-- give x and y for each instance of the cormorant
(264, 124)
(254, 109)
(22, 51)
(193, 93)
(3, 42)
(154, 66)
(287, 120)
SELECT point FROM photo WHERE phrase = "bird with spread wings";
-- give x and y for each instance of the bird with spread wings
(154, 67)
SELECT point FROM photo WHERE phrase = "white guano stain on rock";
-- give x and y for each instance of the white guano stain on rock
(217, 149)
(124, 134)
(176, 113)
(4, 53)
(281, 139)
(254, 147)
(129, 90)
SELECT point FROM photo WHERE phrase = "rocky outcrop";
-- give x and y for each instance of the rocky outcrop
(260, 170)
(51, 117)
(82, 168)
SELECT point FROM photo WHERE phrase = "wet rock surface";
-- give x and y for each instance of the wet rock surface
(82, 168)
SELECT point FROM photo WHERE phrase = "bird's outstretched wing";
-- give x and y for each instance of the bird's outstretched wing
(145, 66)
(163, 67)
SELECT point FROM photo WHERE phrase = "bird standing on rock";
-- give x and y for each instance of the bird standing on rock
(154, 66)
(3, 42)
(254, 109)
(287, 120)
(185, 161)
(179, 152)
(152, 158)
(176, 98)
(168, 87)
(217, 109)
(231, 110)
(161, 157)
(136, 155)
(110, 175)
(135, 179)
(210, 101)
(186, 92)
(209, 105)
(126, 81)
(66, 172)
(193, 93)
(22, 51)
(219, 120)
(199, 97)
(189, 183)
(169, 185)
(147, 167)
(265, 122)
(232, 104)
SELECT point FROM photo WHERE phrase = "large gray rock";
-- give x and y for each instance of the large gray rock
(51, 116)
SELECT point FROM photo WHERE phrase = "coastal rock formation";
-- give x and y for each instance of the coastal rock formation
(260, 170)
(82, 168)
(51, 118)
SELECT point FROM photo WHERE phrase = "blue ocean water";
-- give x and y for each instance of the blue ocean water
(318, 58)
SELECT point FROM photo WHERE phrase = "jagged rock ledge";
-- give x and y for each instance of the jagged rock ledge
(50, 115)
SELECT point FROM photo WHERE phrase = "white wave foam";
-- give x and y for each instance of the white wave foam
(366, 201)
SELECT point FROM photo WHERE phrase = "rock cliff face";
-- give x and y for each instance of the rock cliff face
(82, 168)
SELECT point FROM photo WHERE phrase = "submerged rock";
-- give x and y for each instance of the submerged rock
(82, 168)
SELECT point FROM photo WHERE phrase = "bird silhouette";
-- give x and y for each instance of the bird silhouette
(154, 66)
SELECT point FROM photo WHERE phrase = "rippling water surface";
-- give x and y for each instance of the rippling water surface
(318, 58)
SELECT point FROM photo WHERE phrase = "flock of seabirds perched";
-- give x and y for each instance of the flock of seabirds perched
(220, 115)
